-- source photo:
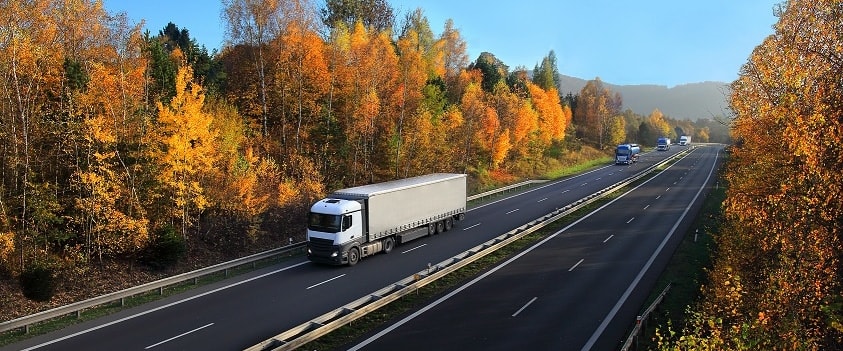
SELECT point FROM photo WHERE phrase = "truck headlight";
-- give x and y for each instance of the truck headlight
(334, 254)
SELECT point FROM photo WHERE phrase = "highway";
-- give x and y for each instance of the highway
(578, 290)
(242, 311)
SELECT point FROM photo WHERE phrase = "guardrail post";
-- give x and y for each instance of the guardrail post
(26, 329)
(226, 272)
(638, 328)
(78, 314)
(122, 301)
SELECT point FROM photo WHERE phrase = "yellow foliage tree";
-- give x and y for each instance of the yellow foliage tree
(186, 149)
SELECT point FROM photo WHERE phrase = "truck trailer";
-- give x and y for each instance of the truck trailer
(627, 154)
(663, 144)
(361, 221)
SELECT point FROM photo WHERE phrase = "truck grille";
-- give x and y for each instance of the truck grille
(321, 247)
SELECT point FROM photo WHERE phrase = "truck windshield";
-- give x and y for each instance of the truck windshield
(324, 222)
(622, 152)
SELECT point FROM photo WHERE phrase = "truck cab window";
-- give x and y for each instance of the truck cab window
(324, 222)
(346, 222)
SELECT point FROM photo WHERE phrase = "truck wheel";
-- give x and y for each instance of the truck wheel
(353, 256)
(440, 226)
(449, 223)
(388, 244)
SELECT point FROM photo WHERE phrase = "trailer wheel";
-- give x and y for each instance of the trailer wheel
(353, 256)
(431, 228)
(440, 226)
(449, 223)
(388, 244)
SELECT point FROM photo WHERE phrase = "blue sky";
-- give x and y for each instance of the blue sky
(622, 42)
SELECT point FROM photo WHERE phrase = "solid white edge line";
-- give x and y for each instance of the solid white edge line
(318, 284)
(160, 308)
(524, 307)
(646, 267)
(178, 336)
(489, 272)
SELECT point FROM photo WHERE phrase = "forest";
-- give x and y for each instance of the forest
(127, 151)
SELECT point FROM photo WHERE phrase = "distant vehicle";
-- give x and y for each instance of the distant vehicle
(663, 144)
(357, 222)
(685, 140)
(627, 154)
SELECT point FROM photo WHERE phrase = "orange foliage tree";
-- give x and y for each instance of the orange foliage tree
(776, 284)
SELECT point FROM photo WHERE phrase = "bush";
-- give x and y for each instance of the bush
(166, 249)
(38, 283)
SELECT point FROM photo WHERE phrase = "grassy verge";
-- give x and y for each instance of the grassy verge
(579, 168)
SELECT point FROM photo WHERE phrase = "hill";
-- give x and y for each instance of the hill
(688, 101)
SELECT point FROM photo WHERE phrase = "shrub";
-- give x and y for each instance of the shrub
(38, 282)
(166, 249)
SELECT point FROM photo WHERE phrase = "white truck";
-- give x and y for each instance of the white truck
(685, 140)
(357, 222)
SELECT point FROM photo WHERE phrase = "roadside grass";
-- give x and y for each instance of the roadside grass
(578, 168)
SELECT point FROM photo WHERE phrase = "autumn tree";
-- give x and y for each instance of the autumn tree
(186, 151)
(376, 15)
(454, 59)
(776, 283)
(251, 25)
(596, 105)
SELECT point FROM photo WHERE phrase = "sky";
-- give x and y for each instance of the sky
(622, 42)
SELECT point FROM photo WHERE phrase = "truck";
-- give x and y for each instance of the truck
(663, 144)
(627, 154)
(353, 223)
(685, 140)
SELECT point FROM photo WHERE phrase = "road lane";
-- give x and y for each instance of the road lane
(585, 285)
(248, 309)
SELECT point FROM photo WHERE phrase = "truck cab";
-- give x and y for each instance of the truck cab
(663, 144)
(333, 226)
(627, 153)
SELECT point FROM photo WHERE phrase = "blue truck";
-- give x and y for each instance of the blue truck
(627, 154)
(663, 144)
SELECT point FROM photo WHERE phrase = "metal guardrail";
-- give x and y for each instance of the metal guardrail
(330, 321)
(641, 321)
(78, 307)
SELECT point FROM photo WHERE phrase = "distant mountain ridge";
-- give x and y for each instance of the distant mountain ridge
(688, 101)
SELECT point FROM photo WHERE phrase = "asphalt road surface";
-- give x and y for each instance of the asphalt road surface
(579, 289)
(242, 311)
